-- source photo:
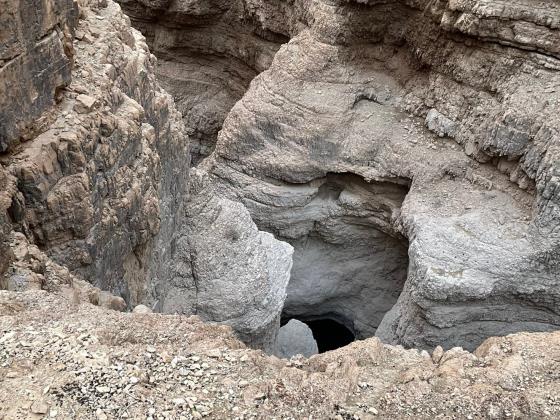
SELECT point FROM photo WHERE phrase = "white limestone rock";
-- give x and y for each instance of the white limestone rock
(295, 338)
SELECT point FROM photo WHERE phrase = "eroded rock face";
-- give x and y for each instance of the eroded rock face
(456, 96)
(349, 261)
(92, 191)
(208, 52)
(226, 270)
(100, 193)
(36, 56)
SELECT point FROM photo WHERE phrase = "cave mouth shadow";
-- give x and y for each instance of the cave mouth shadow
(350, 256)
(350, 260)
(328, 333)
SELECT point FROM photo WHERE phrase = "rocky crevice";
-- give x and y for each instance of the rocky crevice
(381, 164)
(208, 54)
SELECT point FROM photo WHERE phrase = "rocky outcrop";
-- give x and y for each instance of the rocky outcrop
(36, 54)
(454, 100)
(405, 150)
(226, 270)
(82, 361)
(381, 168)
(91, 189)
(99, 190)
(208, 52)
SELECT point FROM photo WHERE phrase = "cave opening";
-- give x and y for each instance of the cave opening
(309, 336)
(350, 260)
(330, 334)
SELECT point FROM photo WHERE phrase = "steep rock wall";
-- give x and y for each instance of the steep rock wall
(99, 190)
(457, 96)
(208, 52)
(36, 56)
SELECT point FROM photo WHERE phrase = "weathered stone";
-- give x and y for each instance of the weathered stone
(142, 309)
(107, 300)
(84, 104)
(39, 407)
(295, 338)
(36, 55)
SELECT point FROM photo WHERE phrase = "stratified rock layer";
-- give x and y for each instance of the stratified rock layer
(36, 56)
(100, 189)
(455, 99)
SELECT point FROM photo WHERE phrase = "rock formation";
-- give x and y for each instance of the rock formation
(295, 338)
(101, 185)
(389, 167)
(443, 110)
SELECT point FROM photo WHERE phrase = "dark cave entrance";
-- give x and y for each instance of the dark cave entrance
(316, 335)
(350, 260)
(329, 334)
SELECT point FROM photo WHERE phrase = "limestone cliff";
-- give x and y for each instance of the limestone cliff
(380, 127)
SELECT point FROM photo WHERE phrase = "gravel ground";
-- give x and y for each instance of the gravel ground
(61, 359)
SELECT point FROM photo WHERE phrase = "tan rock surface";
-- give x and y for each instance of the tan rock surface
(83, 361)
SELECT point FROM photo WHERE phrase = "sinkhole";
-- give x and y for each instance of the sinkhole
(350, 261)
(309, 337)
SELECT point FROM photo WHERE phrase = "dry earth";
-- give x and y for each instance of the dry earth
(60, 359)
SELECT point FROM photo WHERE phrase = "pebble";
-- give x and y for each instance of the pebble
(39, 407)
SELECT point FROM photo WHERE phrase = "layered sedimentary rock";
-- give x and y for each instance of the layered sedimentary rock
(452, 101)
(36, 54)
(91, 189)
(99, 188)
(208, 52)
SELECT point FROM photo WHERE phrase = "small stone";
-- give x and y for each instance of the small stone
(100, 415)
(437, 354)
(373, 411)
(103, 389)
(84, 104)
(39, 407)
(142, 309)
(214, 354)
